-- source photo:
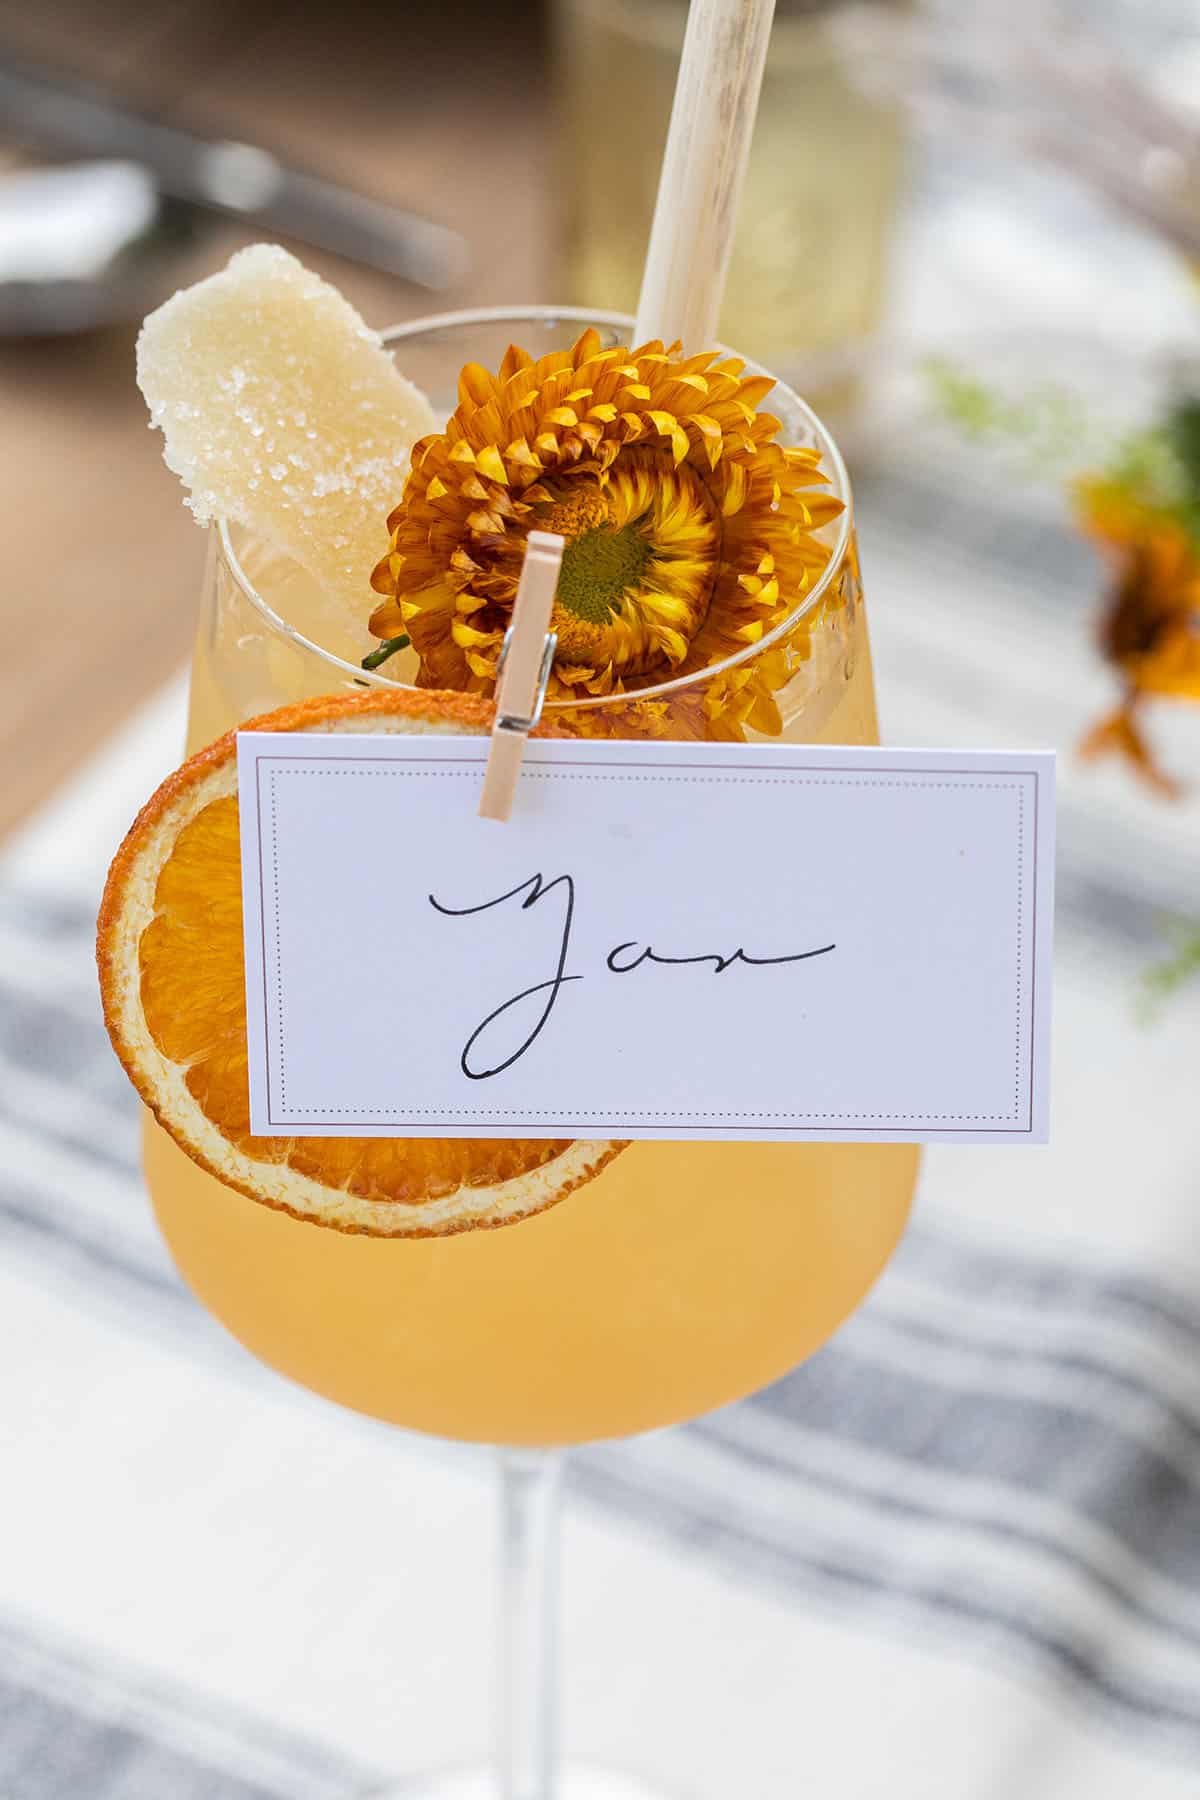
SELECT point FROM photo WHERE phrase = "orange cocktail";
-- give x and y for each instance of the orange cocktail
(684, 1275)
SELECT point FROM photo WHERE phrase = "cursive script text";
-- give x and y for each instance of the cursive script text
(491, 1049)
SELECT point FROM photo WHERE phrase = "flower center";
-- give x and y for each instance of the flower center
(599, 568)
(641, 556)
(603, 559)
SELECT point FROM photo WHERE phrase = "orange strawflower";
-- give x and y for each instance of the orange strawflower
(691, 532)
(1150, 628)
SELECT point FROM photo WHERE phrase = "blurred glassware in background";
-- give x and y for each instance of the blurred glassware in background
(808, 275)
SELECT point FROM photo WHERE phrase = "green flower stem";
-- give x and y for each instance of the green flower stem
(388, 648)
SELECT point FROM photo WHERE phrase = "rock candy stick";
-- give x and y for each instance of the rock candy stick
(282, 411)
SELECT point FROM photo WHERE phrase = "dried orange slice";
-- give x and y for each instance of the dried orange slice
(169, 949)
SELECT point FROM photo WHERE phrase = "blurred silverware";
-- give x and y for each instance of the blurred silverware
(230, 177)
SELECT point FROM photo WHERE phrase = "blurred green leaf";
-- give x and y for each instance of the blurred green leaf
(1048, 423)
(1163, 980)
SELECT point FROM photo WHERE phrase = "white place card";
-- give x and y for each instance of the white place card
(664, 941)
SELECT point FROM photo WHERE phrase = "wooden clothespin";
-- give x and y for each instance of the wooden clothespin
(526, 658)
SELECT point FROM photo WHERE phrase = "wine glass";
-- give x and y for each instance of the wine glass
(683, 1277)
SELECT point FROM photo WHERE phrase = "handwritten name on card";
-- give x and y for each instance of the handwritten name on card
(664, 941)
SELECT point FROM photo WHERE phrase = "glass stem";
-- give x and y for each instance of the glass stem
(530, 1507)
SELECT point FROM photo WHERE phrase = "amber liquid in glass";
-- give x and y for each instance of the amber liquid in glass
(684, 1276)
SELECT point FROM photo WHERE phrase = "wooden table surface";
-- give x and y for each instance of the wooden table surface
(439, 107)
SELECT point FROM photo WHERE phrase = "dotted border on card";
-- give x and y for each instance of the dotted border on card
(803, 775)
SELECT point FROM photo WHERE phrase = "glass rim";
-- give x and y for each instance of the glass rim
(831, 461)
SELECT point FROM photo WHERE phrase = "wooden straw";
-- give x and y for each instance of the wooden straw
(704, 165)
